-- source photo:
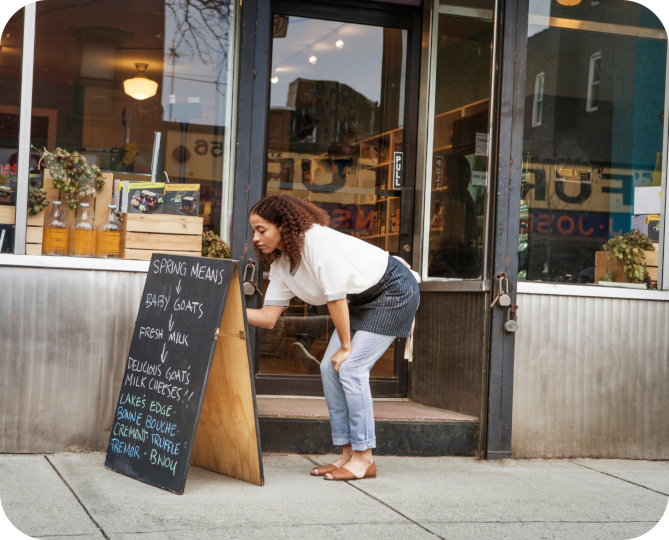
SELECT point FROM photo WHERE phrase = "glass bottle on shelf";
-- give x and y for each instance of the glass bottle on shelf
(82, 234)
(109, 236)
(56, 230)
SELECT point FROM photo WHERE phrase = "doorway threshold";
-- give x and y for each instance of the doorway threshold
(301, 425)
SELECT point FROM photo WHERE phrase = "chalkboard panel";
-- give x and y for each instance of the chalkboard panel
(192, 312)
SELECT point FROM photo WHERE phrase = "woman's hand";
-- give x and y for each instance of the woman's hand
(339, 313)
(340, 357)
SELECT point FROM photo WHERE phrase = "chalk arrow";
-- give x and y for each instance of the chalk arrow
(179, 287)
(163, 355)
(171, 324)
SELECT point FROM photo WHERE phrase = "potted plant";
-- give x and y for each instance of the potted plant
(629, 251)
(213, 247)
(7, 180)
(73, 174)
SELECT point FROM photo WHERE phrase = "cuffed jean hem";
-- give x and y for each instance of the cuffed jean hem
(363, 445)
(341, 440)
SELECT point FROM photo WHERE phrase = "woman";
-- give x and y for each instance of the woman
(368, 294)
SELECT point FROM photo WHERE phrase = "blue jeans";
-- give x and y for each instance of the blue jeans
(347, 393)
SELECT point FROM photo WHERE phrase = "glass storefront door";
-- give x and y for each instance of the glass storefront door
(336, 138)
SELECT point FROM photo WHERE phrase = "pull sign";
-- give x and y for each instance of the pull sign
(398, 166)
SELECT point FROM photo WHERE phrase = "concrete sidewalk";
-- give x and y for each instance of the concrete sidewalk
(73, 496)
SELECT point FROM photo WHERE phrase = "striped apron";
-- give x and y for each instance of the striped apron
(387, 308)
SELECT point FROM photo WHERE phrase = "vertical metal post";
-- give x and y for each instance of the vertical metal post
(663, 277)
(25, 116)
(424, 138)
(255, 41)
(231, 97)
(252, 106)
(507, 222)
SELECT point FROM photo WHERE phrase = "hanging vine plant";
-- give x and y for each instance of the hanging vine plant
(630, 250)
(73, 174)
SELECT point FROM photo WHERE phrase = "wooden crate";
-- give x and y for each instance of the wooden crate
(602, 264)
(161, 233)
(7, 215)
(34, 230)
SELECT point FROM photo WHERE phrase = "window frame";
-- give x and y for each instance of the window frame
(538, 106)
(595, 60)
(459, 284)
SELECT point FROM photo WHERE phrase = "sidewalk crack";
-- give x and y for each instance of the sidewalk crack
(77, 497)
(382, 502)
(618, 478)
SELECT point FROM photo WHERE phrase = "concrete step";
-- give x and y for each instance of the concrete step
(301, 425)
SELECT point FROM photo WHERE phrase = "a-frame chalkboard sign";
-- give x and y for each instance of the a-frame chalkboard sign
(187, 394)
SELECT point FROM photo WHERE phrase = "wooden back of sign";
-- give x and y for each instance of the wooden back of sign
(227, 439)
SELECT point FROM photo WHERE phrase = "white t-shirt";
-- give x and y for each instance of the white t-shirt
(332, 266)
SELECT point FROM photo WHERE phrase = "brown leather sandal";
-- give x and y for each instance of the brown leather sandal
(345, 475)
(322, 471)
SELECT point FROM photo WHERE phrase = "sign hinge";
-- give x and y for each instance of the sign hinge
(241, 335)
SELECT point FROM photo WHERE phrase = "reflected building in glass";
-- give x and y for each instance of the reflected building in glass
(593, 133)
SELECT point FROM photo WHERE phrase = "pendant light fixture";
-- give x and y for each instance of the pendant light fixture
(339, 43)
(569, 2)
(313, 59)
(140, 87)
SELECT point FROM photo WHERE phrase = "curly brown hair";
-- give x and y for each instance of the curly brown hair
(295, 217)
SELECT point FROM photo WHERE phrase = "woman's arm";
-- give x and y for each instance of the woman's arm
(340, 318)
(264, 317)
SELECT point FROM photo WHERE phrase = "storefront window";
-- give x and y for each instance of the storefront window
(140, 92)
(593, 159)
(11, 56)
(461, 89)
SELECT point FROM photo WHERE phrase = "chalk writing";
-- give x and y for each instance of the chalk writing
(168, 266)
(190, 306)
(206, 273)
(134, 401)
(121, 447)
(161, 426)
(143, 367)
(156, 300)
(161, 409)
(165, 444)
(151, 333)
(180, 375)
(178, 338)
(130, 432)
(163, 461)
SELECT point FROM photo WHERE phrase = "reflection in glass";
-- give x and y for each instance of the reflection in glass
(596, 153)
(11, 56)
(335, 127)
(111, 75)
(460, 148)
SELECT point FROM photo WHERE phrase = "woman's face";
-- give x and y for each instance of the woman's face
(266, 235)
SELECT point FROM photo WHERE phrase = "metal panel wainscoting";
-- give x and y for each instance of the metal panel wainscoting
(591, 378)
(65, 335)
(449, 349)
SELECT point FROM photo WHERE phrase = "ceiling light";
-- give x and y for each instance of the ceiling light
(569, 2)
(339, 43)
(274, 79)
(140, 87)
(313, 59)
